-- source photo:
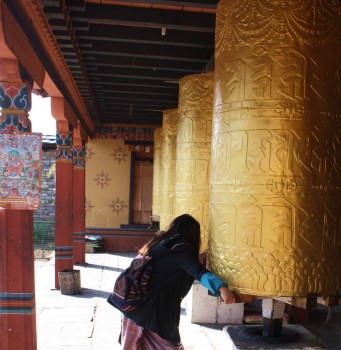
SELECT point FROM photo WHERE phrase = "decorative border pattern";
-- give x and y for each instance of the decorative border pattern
(64, 146)
(124, 133)
(14, 123)
(78, 154)
(79, 237)
(17, 303)
(65, 252)
(15, 97)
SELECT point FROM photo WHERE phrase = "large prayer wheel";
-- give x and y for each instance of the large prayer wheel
(167, 192)
(193, 159)
(157, 171)
(275, 181)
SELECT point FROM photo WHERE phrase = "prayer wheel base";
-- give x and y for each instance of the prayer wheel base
(245, 337)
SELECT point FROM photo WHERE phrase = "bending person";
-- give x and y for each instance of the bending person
(176, 265)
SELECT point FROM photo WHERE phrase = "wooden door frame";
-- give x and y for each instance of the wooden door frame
(134, 158)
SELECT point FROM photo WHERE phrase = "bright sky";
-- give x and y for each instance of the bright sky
(40, 115)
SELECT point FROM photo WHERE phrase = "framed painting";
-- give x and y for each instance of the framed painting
(20, 170)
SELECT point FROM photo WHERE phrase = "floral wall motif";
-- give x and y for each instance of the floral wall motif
(107, 183)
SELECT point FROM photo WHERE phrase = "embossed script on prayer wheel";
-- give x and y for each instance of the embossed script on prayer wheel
(167, 192)
(157, 167)
(275, 181)
(193, 159)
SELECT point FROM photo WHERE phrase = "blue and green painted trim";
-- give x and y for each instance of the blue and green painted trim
(65, 252)
(17, 303)
(79, 237)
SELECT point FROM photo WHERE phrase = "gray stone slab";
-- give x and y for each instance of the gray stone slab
(195, 336)
(58, 300)
(247, 337)
(87, 322)
(66, 342)
(78, 330)
(67, 314)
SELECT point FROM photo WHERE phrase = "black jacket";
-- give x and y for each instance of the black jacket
(175, 268)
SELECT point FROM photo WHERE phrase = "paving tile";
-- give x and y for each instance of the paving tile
(78, 330)
(87, 322)
(67, 314)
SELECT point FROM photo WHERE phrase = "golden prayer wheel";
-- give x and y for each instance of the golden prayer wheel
(276, 165)
(157, 167)
(194, 149)
(167, 192)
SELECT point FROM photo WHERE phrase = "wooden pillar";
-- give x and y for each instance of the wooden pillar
(64, 191)
(17, 290)
(78, 198)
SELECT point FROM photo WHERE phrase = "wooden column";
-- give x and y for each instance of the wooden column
(64, 191)
(17, 290)
(78, 198)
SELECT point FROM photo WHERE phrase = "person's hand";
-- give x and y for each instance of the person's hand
(203, 258)
(227, 295)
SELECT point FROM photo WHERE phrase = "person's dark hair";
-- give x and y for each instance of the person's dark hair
(184, 225)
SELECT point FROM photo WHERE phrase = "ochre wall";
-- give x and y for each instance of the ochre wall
(107, 183)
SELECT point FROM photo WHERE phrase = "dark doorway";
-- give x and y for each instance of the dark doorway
(142, 192)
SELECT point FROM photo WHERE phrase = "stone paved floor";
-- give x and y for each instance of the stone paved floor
(87, 322)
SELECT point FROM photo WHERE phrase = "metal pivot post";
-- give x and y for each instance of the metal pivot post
(273, 312)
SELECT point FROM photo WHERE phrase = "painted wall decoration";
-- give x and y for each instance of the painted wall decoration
(118, 206)
(120, 155)
(107, 183)
(14, 122)
(88, 206)
(102, 179)
(88, 152)
(20, 170)
(64, 146)
(124, 133)
(78, 154)
(15, 96)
